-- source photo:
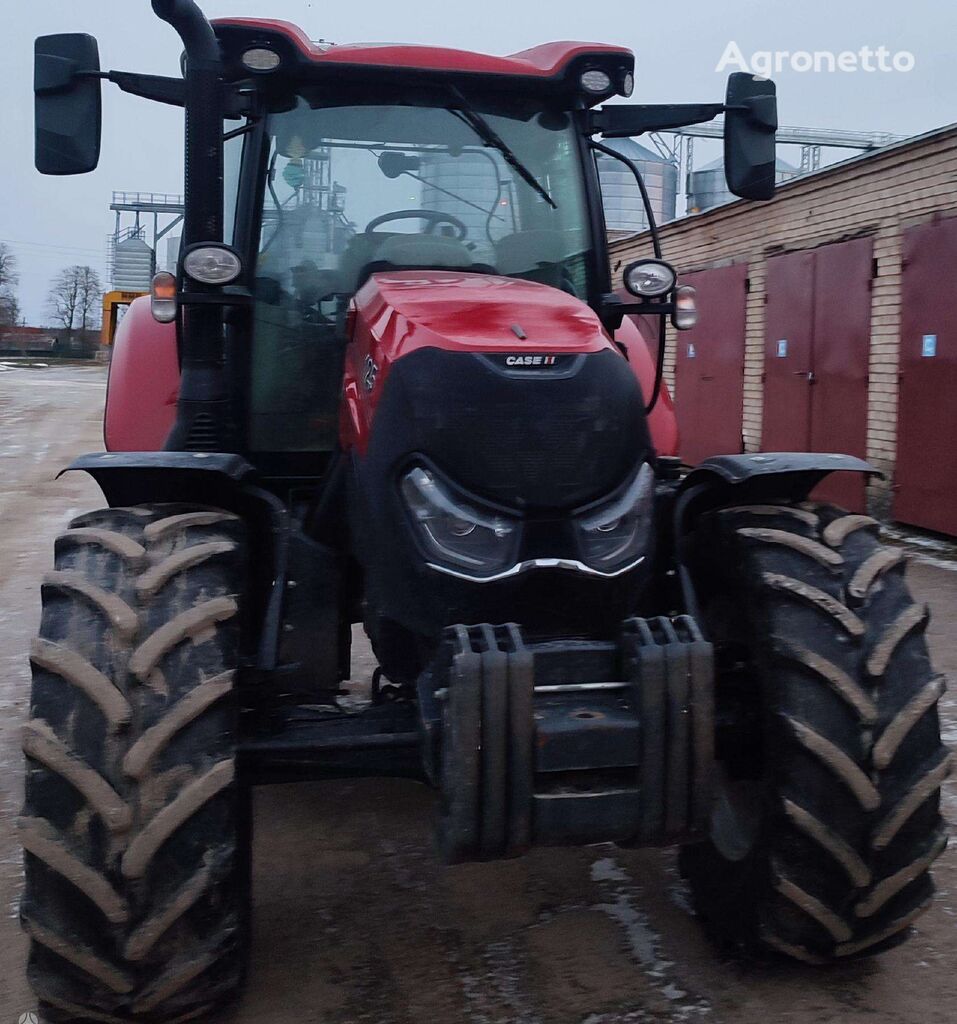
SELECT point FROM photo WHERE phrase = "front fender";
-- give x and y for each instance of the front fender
(136, 478)
(771, 476)
(218, 480)
(764, 478)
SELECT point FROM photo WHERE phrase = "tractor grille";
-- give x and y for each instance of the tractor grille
(526, 441)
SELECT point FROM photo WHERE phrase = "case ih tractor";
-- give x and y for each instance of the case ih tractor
(392, 383)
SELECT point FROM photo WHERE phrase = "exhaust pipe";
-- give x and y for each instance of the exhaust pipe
(203, 407)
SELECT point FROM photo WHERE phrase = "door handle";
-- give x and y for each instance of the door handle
(807, 374)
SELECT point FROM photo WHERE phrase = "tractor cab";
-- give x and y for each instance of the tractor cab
(354, 161)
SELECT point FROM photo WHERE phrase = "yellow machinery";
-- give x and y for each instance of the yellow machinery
(111, 309)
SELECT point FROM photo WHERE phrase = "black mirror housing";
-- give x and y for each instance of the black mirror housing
(750, 123)
(67, 104)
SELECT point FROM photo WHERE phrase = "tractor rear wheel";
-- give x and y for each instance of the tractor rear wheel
(830, 760)
(133, 827)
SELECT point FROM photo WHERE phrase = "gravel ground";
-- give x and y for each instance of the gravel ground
(356, 921)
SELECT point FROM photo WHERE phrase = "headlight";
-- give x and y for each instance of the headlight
(212, 264)
(456, 533)
(617, 534)
(649, 278)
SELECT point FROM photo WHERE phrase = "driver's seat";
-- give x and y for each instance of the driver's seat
(377, 250)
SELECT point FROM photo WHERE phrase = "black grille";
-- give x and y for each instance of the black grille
(534, 441)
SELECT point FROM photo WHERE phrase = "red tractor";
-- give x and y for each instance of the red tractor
(392, 383)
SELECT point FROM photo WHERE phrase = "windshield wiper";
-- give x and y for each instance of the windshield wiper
(465, 112)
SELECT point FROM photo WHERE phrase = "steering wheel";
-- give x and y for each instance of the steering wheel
(434, 217)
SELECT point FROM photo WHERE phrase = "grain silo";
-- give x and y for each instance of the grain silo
(624, 209)
(708, 188)
(132, 264)
(472, 176)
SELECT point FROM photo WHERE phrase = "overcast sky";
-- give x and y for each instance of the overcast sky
(53, 222)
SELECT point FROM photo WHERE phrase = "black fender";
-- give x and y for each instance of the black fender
(760, 478)
(768, 476)
(134, 478)
(291, 608)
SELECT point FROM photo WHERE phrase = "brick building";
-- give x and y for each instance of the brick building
(828, 253)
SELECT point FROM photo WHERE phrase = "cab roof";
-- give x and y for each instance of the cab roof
(551, 65)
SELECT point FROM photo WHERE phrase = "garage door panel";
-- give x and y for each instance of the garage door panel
(817, 339)
(925, 479)
(709, 370)
(842, 329)
(789, 325)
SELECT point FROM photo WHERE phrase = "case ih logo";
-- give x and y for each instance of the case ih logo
(531, 361)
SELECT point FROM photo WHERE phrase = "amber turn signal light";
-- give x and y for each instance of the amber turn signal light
(163, 297)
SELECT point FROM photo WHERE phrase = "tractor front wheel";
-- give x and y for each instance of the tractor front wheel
(830, 760)
(133, 826)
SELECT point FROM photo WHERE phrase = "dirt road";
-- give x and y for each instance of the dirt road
(355, 920)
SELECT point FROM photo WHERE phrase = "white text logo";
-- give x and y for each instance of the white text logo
(765, 63)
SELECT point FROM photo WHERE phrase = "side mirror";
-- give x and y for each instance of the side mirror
(750, 121)
(66, 87)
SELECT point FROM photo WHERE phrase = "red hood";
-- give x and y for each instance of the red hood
(460, 312)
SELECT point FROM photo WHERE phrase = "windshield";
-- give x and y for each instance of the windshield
(352, 190)
(352, 187)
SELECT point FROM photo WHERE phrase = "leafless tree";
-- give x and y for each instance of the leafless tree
(74, 299)
(9, 309)
(91, 299)
(8, 266)
(9, 306)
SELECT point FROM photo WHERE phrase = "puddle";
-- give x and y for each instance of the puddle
(644, 943)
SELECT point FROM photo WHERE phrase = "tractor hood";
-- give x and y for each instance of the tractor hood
(457, 312)
(514, 398)
(511, 385)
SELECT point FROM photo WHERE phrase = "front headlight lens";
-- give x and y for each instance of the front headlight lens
(453, 531)
(649, 279)
(618, 533)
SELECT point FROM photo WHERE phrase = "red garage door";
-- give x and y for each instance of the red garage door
(709, 373)
(817, 345)
(925, 476)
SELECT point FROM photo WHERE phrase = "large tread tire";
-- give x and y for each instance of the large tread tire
(133, 826)
(828, 650)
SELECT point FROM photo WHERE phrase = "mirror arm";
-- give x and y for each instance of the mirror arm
(625, 121)
(151, 87)
(756, 116)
